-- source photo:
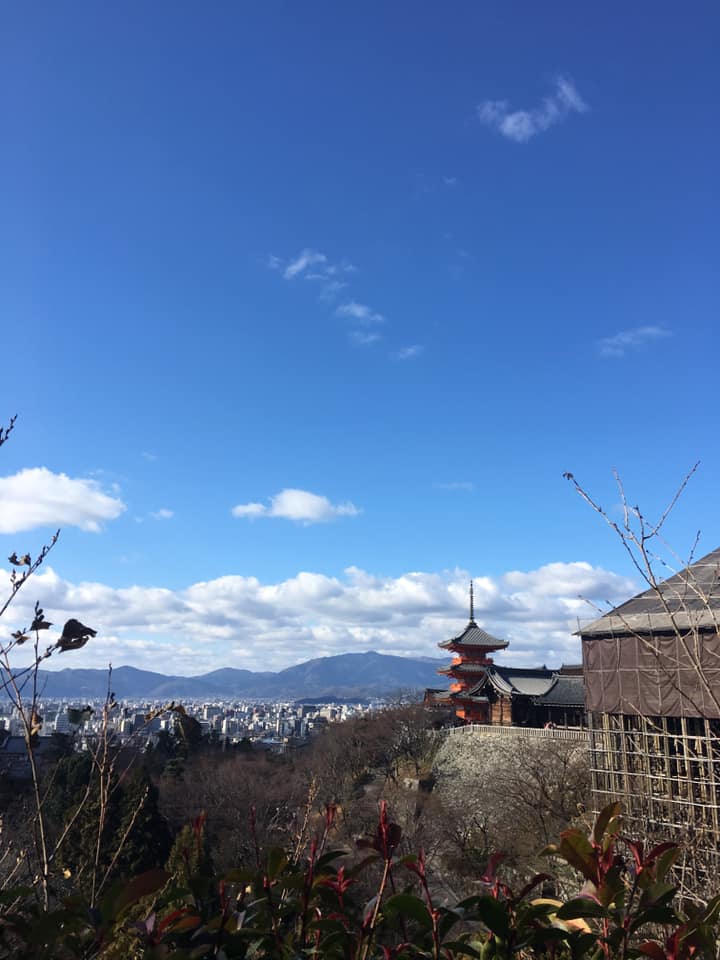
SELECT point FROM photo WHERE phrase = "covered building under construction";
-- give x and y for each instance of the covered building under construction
(652, 688)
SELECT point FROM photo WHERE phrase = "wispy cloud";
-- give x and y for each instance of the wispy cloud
(293, 504)
(333, 278)
(312, 264)
(450, 181)
(343, 267)
(408, 353)
(37, 497)
(359, 312)
(150, 457)
(308, 258)
(274, 263)
(315, 267)
(363, 338)
(162, 514)
(523, 125)
(331, 289)
(633, 339)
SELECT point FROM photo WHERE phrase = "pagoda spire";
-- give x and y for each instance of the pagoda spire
(472, 604)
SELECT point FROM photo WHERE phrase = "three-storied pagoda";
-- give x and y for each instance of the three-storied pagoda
(482, 691)
(469, 665)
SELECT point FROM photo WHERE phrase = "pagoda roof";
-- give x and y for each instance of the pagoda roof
(464, 668)
(474, 636)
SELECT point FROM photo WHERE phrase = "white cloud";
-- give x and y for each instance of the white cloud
(359, 312)
(450, 181)
(634, 339)
(241, 621)
(162, 514)
(311, 264)
(307, 258)
(343, 267)
(293, 504)
(250, 510)
(37, 497)
(150, 457)
(364, 338)
(331, 289)
(407, 353)
(332, 278)
(523, 125)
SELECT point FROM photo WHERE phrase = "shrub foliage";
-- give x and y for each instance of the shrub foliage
(311, 905)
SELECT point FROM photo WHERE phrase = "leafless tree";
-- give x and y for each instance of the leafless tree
(22, 685)
(678, 641)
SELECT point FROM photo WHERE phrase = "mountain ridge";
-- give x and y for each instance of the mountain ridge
(368, 674)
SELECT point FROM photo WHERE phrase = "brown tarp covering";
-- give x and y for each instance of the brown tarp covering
(653, 675)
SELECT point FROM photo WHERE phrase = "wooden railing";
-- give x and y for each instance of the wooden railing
(557, 733)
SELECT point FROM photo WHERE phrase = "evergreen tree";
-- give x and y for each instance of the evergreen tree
(134, 835)
(148, 840)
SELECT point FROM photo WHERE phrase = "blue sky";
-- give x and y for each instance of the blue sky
(383, 271)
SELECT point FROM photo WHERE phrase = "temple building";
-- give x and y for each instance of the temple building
(652, 675)
(482, 691)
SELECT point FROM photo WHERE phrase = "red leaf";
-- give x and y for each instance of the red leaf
(653, 950)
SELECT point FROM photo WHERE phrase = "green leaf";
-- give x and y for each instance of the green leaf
(657, 914)
(581, 907)
(276, 862)
(494, 914)
(462, 949)
(577, 850)
(448, 919)
(327, 858)
(142, 886)
(612, 889)
(658, 895)
(540, 910)
(467, 903)
(712, 911)
(666, 861)
(337, 937)
(608, 813)
(534, 881)
(408, 905)
(583, 943)
(362, 865)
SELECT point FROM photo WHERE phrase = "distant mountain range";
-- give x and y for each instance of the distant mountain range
(347, 676)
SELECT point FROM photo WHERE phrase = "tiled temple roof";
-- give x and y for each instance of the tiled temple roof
(565, 692)
(474, 636)
(466, 668)
(688, 600)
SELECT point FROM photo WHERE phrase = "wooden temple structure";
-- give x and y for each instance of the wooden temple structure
(652, 676)
(482, 691)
